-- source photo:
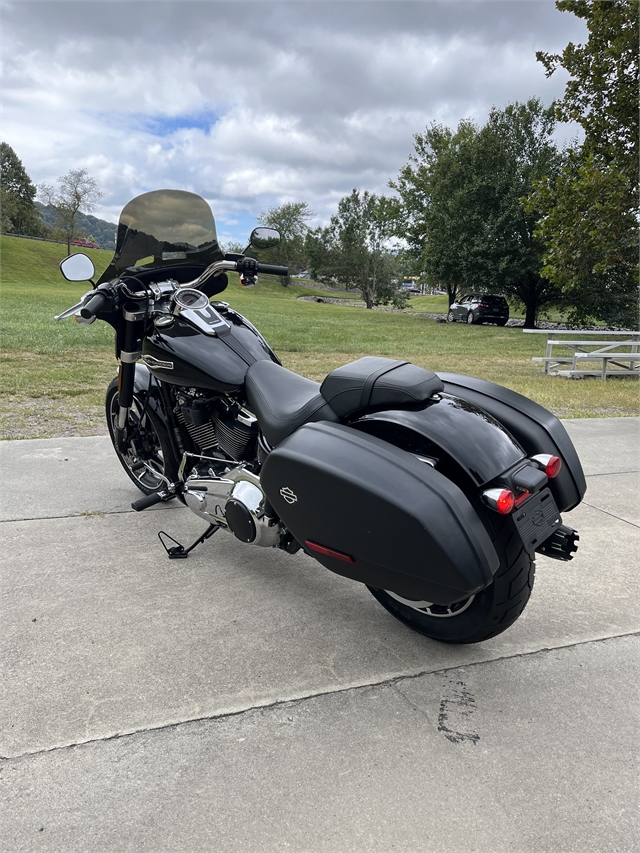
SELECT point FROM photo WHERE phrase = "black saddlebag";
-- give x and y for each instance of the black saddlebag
(377, 514)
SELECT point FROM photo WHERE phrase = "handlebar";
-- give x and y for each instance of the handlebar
(94, 305)
(272, 269)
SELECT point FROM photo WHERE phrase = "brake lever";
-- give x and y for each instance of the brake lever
(71, 311)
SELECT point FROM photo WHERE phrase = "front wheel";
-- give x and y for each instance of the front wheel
(450, 317)
(149, 457)
(481, 616)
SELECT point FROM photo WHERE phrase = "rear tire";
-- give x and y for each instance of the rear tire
(470, 318)
(502, 322)
(151, 442)
(480, 617)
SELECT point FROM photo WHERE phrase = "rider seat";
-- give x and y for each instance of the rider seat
(284, 401)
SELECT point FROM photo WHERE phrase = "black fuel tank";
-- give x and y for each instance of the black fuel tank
(182, 355)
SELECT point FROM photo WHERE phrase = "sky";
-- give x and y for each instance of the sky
(252, 104)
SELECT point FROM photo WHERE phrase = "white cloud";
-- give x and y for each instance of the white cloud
(251, 104)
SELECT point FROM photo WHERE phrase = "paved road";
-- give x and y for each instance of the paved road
(247, 700)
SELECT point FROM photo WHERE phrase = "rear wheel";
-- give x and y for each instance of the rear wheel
(478, 617)
(502, 322)
(149, 452)
(470, 318)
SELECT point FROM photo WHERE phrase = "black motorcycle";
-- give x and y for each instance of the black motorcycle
(434, 490)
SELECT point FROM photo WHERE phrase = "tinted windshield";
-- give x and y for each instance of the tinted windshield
(164, 228)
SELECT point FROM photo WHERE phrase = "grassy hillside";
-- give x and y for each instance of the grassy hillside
(54, 375)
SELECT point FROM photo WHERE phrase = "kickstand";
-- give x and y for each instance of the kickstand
(178, 551)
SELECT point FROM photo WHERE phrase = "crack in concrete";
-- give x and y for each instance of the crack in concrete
(84, 514)
(267, 705)
(611, 515)
(611, 473)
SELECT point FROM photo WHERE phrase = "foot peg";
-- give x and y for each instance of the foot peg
(150, 500)
(562, 545)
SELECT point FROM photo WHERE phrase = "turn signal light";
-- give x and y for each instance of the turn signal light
(502, 500)
(551, 465)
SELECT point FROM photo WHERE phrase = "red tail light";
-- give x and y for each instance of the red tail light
(551, 465)
(502, 500)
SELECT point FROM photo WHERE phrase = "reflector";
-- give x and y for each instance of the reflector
(329, 552)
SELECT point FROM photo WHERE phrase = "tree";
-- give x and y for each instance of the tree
(17, 194)
(290, 219)
(435, 218)
(77, 193)
(463, 215)
(354, 248)
(590, 229)
(523, 153)
(589, 218)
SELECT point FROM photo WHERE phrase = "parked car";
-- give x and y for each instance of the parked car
(480, 308)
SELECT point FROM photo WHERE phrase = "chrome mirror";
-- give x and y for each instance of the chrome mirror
(264, 238)
(77, 267)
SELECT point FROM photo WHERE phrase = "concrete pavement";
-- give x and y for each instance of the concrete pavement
(244, 699)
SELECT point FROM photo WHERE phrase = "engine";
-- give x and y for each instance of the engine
(232, 497)
(218, 489)
(217, 426)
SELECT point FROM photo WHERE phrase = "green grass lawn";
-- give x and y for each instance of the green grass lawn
(54, 375)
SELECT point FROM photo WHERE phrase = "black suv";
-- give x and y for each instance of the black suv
(480, 308)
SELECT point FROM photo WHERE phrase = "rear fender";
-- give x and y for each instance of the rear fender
(531, 425)
(471, 436)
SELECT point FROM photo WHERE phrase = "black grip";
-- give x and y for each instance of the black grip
(149, 500)
(95, 304)
(272, 269)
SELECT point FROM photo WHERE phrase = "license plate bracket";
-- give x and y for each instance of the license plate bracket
(536, 519)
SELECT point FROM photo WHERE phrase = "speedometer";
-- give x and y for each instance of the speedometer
(190, 298)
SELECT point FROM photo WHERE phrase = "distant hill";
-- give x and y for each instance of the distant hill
(103, 231)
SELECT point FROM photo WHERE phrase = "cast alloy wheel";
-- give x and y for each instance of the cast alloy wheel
(428, 608)
(149, 458)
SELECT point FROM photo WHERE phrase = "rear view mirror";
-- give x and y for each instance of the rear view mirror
(264, 238)
(77, 267)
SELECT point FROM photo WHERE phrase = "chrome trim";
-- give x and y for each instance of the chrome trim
(129, 357)
(213, 269)
(123, 416)
(180, 304)
(134, 316)
(206, 319)
(542, 459)
(490, 496)
(207, 494)
(161, 321)
(74, 308)
(153, 362)
(247, 418)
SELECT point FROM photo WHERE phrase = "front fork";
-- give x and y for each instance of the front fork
(129, 353)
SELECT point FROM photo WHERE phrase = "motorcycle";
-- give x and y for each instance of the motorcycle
(436, 491)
